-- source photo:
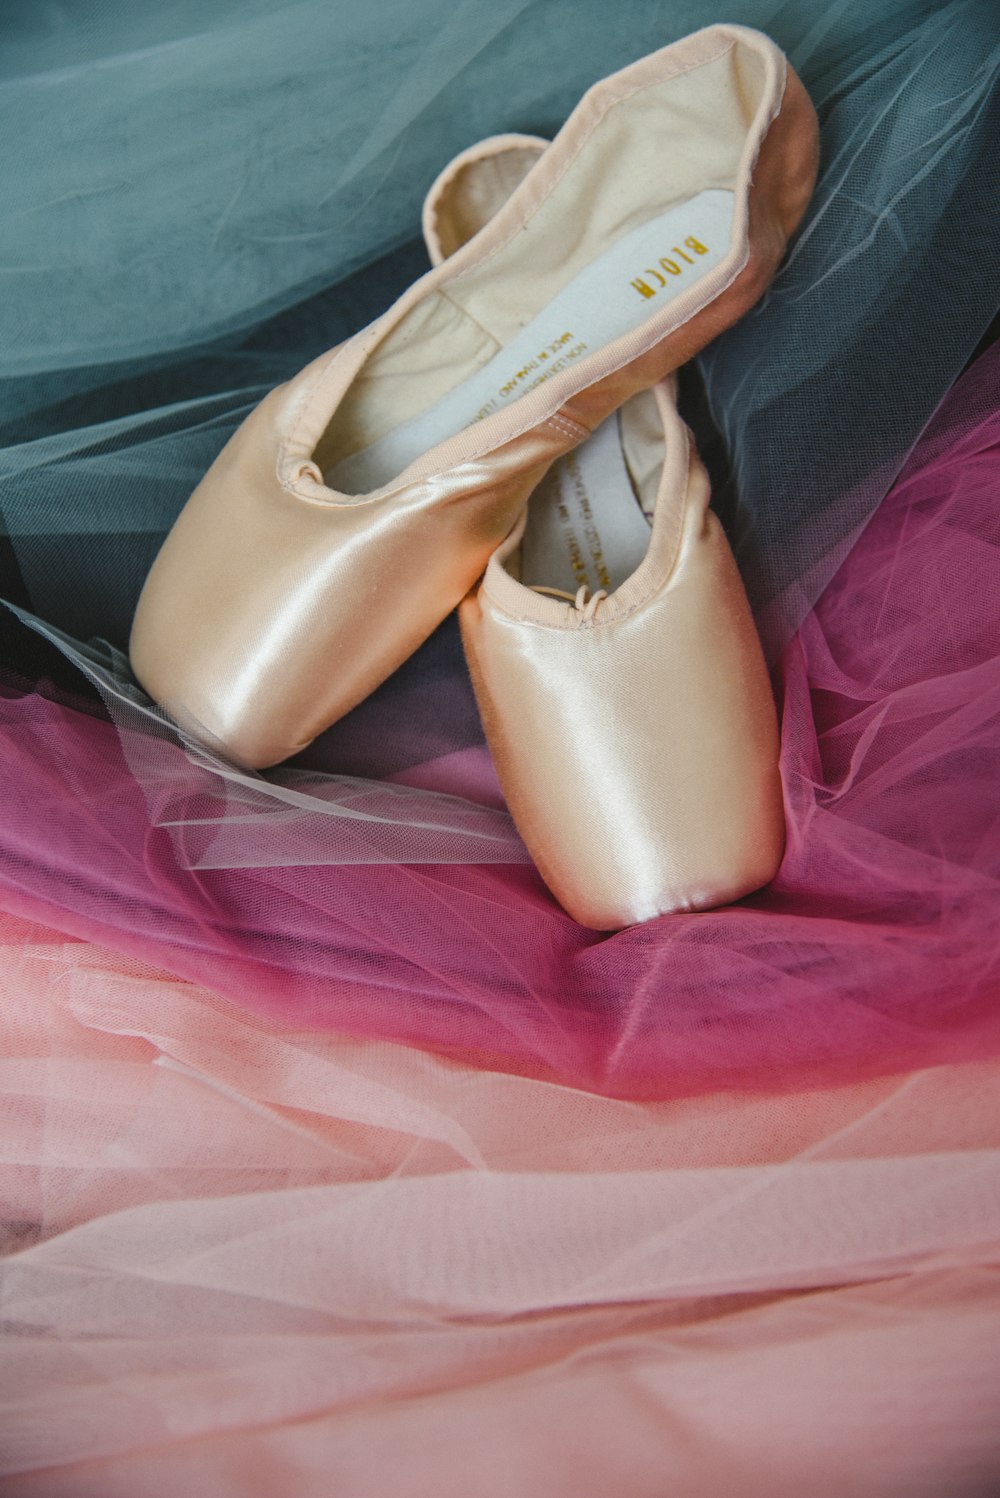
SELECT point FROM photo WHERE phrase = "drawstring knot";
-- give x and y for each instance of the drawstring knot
(585, 602)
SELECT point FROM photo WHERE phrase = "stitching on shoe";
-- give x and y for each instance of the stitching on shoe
(531, 424)
(640, 603)
(567, 425)
(615, 99)
(668, 332)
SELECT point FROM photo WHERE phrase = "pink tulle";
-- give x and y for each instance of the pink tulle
(875, 949)
(251, 1263)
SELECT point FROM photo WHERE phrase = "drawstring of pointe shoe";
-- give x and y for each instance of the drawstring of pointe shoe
(583, 601)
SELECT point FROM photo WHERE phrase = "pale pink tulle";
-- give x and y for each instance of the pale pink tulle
(875, 949)
(252, 1263)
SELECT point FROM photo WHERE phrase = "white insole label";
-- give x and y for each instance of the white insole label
(585, 525)
(611, 296)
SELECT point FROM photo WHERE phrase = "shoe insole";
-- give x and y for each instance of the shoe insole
(585, 525)
(614, 294)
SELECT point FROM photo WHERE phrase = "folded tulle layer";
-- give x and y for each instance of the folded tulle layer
(398, 910)
(307, 1185)
(249, 1262)
(233, 192)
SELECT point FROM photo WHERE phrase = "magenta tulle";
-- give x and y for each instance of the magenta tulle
(874, 950)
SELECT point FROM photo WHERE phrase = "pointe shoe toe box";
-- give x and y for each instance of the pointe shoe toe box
(638, 751)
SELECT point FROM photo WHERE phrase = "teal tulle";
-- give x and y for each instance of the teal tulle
(203, 196)
(249, 1253)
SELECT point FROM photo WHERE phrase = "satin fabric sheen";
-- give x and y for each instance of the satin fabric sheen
(322, 899)
(675, 690)
(638, 748)
(276, 604)
(273, 608)
(197, 247)
(248, 1254)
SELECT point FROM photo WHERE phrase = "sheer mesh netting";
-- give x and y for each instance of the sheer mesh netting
(255, 1262)
(398, 908)
(336, 1157)
(243, 188)
(377, 885)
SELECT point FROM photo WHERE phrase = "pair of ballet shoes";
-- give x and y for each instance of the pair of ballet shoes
(632, 726)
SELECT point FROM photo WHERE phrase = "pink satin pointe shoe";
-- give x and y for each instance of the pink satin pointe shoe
(357, 504)
(617, 669)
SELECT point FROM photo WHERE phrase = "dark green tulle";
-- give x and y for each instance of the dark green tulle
(203, 196)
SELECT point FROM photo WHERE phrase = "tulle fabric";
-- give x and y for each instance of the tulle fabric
(251, 1262)
(207, 196)
(873, 951)
(336, 1158)
(376, 886)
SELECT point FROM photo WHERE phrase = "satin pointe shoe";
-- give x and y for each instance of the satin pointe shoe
(357, 504)
(631, 722)
(621, 682)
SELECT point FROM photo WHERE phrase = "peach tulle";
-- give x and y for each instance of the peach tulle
(250, 1263)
